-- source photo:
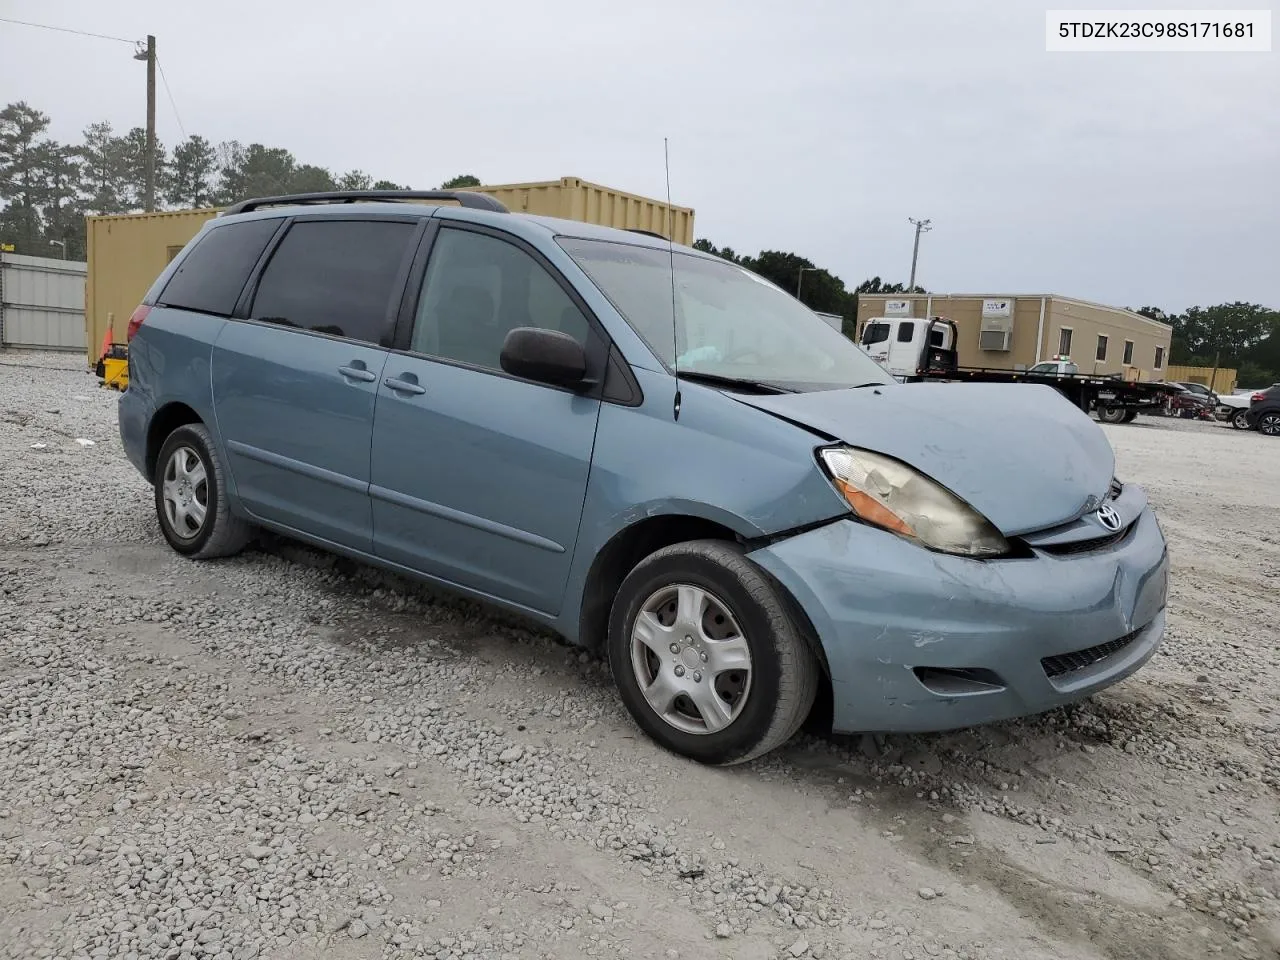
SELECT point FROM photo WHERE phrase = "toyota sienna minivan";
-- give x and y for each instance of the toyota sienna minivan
(653, 451)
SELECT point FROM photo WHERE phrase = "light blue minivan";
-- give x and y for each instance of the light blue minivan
(653, 451)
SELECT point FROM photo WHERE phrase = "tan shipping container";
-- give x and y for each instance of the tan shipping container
(126, 252)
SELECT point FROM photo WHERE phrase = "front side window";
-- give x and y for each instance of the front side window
(874, 333)
(478, 288)
(727, 322)
(336, 277)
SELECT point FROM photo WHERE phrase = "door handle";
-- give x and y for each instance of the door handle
(404, 386)
(358, 373)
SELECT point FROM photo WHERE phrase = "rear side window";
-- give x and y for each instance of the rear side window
(905, 332)
(211, 276)
(337, 277)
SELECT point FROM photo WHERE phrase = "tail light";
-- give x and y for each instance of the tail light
(1258, 397)
(135, 321)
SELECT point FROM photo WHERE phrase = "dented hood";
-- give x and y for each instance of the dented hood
(1021, 454)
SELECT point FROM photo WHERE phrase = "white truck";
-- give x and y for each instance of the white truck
(917, 350)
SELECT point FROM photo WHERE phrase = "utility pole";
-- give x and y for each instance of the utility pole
(922, 226)
(800, 280)
(149, 55)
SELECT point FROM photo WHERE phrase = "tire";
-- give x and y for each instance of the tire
(1130, 416)
(219, 533)
(755, 708)
(1240, 420)
(1269, 423)
(1112, 414)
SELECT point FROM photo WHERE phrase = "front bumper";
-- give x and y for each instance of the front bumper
(920, 641)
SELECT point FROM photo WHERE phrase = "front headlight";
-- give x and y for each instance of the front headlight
(892, 495)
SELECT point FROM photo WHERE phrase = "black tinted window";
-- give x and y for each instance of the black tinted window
(336, 277)
(905, 332)
(478, 288)
(875, 333)
(214, 272)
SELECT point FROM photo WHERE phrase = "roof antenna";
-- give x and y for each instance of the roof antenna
(671, 255)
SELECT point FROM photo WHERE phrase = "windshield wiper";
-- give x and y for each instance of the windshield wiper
(716, 379)
(869, 383)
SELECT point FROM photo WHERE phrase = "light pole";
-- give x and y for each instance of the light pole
(800, 281)
(922, 226)
(62, 244)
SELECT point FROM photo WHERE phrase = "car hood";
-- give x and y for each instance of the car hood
(1021, 454)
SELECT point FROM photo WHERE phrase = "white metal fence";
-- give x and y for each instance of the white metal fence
(41, 302)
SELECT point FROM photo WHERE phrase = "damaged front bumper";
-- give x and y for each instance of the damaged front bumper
(922, 641)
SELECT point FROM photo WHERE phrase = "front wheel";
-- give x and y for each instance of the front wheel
(1269, 424)
(1240, 420)
(706, 657)
(191, 500)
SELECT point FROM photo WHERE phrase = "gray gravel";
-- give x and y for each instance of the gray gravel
(285, 755)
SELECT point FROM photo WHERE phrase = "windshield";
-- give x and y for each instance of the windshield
(729, 322)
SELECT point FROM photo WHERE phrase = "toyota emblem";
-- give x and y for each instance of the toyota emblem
(1108, 517)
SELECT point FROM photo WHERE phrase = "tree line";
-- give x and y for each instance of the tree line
(48, 187)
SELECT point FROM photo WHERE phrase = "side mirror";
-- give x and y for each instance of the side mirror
(547, 356)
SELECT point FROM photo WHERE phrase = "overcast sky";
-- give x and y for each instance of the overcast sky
(811, 126)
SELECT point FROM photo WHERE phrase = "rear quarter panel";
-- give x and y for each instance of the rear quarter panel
(169, 361)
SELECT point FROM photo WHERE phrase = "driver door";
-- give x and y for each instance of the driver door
(479, 477)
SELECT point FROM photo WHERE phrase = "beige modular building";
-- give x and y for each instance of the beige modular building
(1017, 331)
(126, 252)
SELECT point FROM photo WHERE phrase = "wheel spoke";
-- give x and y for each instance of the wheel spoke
(195, 472)
(653, 634)
(195, 513)
(729, 654)
(169, 489)
(715, 713)
(662, 693)
(690, 604)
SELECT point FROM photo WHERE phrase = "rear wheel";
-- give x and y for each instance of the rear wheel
(1269, 424)
(191, 502)
(1130, 416)
(707, 659)
(1240, 420)
(1112, 414)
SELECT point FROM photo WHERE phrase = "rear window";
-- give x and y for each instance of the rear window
(211, 276)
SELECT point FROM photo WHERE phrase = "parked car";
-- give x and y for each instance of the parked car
(1264, 411)
(1233, 408)
(651, 450)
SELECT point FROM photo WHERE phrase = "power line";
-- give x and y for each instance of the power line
(82, 33)
(165, 80)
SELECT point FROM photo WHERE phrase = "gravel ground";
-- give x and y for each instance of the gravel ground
(284, 755)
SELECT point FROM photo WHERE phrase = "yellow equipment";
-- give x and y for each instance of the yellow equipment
(113, 367)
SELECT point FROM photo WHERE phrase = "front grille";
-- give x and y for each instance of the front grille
(1086, 546)
(1064, 663)
(1117, 488)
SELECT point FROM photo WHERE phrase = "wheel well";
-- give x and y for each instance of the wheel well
(628, 547)
(620, 556)
(167, 419)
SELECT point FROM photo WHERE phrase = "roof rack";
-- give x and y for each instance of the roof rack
(465, 198)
